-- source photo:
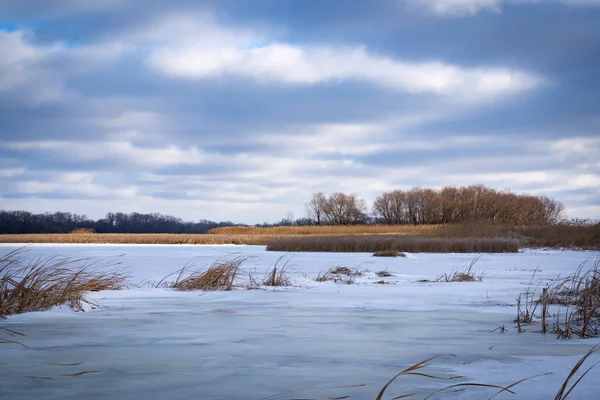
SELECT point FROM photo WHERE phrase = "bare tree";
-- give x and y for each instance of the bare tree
(315, 208)
(345, 209)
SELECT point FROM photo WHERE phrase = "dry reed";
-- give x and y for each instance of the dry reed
(138, 238)
(468, 275)
(277, 276)
(578, 295)
(376, 243)
(82, 231)
(418, 369)
(221, 275)
(556, 236)
(47, 282)
(340, 274)
(388, 253)
(323, 230)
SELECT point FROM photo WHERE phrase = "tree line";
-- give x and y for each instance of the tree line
(20, 222)
(428, 206)
(416, 206)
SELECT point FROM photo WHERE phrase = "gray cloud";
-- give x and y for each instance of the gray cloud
(243, 116)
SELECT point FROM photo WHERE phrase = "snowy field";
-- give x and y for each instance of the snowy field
(293, 342)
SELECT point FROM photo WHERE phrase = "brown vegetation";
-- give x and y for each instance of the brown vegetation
(221, 275)
(468, 275)
(276, 231)
(553, 236)
(139, 238)
(474, 203)
(82, 231)
(585, 236)
(44, 283)
(340, 274)
(577, 295)
(568, 385)
(277, 276)
(409, 244)
(388, 253)
(336, 209)
(562, 236)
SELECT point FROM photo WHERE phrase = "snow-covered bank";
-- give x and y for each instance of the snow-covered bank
(157, 343)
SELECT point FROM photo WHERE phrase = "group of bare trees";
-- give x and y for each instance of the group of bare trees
(428, 206)
(336, 209)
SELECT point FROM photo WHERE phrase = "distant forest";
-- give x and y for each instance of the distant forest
(17, 222)
(449, 205)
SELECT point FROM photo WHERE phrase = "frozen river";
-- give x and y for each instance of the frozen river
(291, 342)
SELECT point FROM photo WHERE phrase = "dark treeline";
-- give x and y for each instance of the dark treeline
(17, 222)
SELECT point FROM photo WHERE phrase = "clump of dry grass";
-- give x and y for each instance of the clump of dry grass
(468, 275)
(221, 275)
(47, 282)
(384, 274)
(577, 295)
(340, 274)
(278, 275)
(403, 243)
(388, 253)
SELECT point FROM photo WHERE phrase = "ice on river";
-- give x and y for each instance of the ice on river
(292, 342)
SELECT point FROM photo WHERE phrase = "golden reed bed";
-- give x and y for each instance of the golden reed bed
(326, 230)
(555, 236)
(137, 238)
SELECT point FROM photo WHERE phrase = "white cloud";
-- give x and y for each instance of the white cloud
(11, 172)
(199, 47)
(73, 184)
(578, 147)
(473, 7)
(288, 64)
(122, 150)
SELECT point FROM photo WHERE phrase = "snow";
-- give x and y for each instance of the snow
(292, 342)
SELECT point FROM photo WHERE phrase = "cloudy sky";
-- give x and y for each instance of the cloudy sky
(239, 110)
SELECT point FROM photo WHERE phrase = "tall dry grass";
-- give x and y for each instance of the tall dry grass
(340, 274)
(221, 275)
(138, 238)
(277, 276)
(554, 236)
(324, 230)
(43, 283)
(566, 388)
(577, 296)
(467, 275)
(562, 236)
(404, 243)
(82, 231)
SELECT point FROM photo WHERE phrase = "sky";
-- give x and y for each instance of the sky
(240, 110)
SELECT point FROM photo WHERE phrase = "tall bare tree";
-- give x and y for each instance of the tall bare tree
(315, 208)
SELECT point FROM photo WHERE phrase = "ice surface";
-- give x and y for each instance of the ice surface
(291, 342)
